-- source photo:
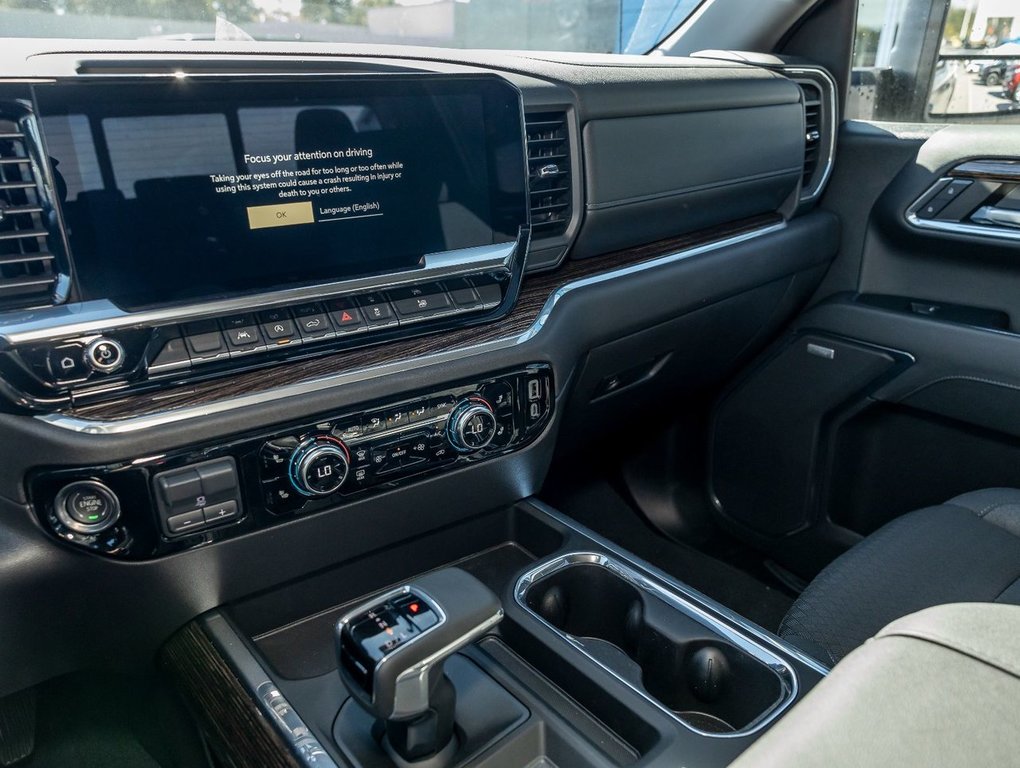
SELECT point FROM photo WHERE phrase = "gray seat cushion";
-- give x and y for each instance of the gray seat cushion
(938, 688)
(966, 550)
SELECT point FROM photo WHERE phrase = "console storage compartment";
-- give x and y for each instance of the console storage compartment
(615, 663)
(657, 644)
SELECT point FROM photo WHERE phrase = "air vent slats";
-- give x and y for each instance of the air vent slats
(15, 258)
(812, 128)
(817, 96)
(11, 288)
(15, 185)
(549, 172)
(546, 158)
(552, 191)
(21, 234)
(27, 268)
(19, 210)
(546, 208)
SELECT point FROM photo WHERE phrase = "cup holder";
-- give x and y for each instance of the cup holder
(703, 672)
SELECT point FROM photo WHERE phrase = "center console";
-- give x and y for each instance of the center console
(515, 638)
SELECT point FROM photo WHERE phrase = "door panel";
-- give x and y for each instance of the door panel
(943, 420)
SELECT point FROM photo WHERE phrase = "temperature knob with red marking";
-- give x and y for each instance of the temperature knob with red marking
(472, 424)
(319, 466)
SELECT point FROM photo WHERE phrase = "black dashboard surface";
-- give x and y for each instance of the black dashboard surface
(700, 307)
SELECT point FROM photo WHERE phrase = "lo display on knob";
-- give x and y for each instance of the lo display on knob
(319, 466)
(472, 424)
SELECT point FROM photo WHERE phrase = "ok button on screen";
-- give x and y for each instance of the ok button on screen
(283, 215)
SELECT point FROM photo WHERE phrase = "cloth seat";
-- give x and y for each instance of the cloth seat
(937, 689)
(966, 550)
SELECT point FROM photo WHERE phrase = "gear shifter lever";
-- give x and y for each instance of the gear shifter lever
(391, 654)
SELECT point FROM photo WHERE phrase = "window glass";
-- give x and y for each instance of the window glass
(919, 60)
(603, 26)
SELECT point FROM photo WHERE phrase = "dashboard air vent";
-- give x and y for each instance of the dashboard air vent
(812, 127)
(818, 92)
(27, 268)
(549, 173)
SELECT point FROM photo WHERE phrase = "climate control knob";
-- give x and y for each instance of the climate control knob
(319, 466)
(472, 425)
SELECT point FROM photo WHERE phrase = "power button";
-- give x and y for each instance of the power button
(87, 506)
(104, 355)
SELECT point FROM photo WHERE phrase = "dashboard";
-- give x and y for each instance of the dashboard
(261, 313)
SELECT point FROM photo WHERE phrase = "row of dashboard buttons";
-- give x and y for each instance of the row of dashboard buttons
(88, 359)
(386, 419)
(400, 454)
(499, 394)
(250, 333)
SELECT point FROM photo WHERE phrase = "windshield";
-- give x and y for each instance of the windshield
(598, 26)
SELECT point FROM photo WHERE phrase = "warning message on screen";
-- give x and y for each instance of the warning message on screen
(328, 185)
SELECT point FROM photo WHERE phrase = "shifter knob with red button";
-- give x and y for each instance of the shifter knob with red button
(391, 653)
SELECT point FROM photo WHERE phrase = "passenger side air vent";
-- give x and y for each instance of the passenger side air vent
(28, 269)
(819, 128)
(812, 128)
(549, 173)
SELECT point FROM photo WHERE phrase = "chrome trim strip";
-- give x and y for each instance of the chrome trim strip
(955, 227)
(997, 217)
(87, 317)
(787, 676)
(962, 229)
(148, 421)
(830, 160)
(990, 167)
(747, 626)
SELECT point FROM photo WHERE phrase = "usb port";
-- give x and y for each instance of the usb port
(535, 389)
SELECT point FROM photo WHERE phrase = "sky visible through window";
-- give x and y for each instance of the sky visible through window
(602, 26)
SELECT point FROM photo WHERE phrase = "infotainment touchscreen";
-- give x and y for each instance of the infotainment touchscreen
(194, 188)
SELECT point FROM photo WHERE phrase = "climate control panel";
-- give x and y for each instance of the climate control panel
(144, 508)
(379, 446)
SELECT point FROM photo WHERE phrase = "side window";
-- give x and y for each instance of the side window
(936, 61)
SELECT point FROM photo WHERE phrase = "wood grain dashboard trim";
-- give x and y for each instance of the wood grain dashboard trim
(141, 410)
(237, 729)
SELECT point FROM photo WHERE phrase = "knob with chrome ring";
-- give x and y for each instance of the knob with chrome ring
(319, 466)
(472, 424)
(105, 355)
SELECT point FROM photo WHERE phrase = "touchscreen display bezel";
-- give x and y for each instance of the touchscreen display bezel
(505, 155)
